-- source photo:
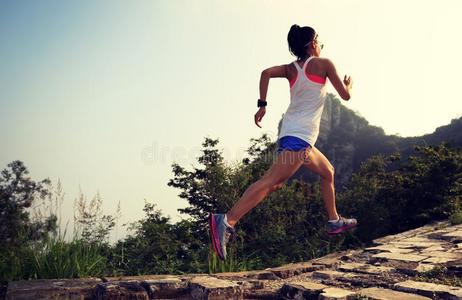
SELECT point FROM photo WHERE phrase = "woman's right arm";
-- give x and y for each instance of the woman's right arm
(343, 88)
(266, 75)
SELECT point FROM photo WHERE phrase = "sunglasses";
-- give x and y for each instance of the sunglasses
(320, 45)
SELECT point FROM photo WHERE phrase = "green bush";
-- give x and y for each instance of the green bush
(456, 218)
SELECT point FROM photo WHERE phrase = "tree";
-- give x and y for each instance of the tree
(18, 193)
(159, 247)
(389, 196)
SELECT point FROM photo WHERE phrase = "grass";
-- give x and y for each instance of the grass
(440, 275)
(57, 258)
(233, 263)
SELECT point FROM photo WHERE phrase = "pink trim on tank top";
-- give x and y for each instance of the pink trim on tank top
(315, 78)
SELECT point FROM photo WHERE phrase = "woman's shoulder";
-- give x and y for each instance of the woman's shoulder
(327, 62)
(322, 60)
(323, 64)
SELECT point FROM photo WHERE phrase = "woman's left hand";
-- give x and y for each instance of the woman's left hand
(259, 115)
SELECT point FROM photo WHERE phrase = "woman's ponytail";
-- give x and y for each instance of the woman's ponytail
(297, 38)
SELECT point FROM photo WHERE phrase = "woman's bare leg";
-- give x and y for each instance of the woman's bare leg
(319, 164)
(328, 195)
(286, 164)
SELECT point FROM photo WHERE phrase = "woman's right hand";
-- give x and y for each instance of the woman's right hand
(259, 115)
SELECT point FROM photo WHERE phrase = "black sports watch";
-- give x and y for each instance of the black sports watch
(261, 103)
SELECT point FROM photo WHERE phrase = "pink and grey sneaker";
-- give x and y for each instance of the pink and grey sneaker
(221, 233)
(340, 225)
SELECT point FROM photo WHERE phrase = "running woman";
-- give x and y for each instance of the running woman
(299, 132)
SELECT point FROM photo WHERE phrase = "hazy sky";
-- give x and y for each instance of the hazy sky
(106, 95)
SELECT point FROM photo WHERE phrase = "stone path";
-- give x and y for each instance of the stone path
(387, 270)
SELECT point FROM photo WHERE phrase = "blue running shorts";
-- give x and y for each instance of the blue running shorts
(292, 143)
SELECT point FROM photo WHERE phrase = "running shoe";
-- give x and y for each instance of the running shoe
(341, 225)
(221, 234)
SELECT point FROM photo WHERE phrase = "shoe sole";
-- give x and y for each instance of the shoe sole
(341, 229)
(213, 235)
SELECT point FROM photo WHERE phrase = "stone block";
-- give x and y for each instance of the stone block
(438, 260)
(429, 289)
(333, 293)
(400, 256)
(391, 248)
(330, 274)
(264, 274)
(302, 290)
(330, 260)
(423, 267)
(434, 248)
(290, 270)
(52, 289)
(415, 268)
(374, 293)
(265, 293)
(364, 268)
(207, 287)
(453, 235)
(141, 278)
(122, 290)
(166, 288)
(351, 267)
(414, 245)
(376, 270)
(414, 239)
(444, 254)
(429, 228)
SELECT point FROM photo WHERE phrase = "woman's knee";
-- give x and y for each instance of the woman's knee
(277, 186)
(329, 174)
(272, 184)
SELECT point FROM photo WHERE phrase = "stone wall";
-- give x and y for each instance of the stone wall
(387, 270)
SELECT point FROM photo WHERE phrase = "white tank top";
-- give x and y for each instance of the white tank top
(303, 116)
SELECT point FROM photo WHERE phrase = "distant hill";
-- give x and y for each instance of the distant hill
(347, 139)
